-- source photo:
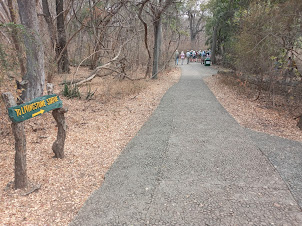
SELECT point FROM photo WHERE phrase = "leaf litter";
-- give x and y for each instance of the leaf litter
(255, 114)
(98, 130)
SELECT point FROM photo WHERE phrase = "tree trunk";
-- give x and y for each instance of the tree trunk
(34, 51)
(15, 37)
(20, 155)
(63, 62)
(96, 57)
(78, 55)
(50, 25)
(192, 30)
(156, 48)
(214, 43)
(58, 145)
(145, 37)
(193, 42)
(58, 114)
(20, 146)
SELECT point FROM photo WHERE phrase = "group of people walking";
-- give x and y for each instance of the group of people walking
(192, 56)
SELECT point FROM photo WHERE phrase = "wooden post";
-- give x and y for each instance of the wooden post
(58, 114)
(20, 146)
(58, 145)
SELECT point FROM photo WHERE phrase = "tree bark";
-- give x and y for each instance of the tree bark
(20, 146)
(145, 36)
(157, 46)
(50, 25)
(58, 145)
(58, 114)
(95, 58)
(195, 26)
(214, 44)
(20, 155)
(35, 74)
(15, 37)
(63, 62)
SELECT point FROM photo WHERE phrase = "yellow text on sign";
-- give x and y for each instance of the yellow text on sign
(30, 107)
(52, 100)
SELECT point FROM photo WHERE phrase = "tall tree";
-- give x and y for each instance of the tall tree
(195, 12)
(158, 7)
(142, 5)
(221, 25)
(62, 58)
(195, 21)
(34, 76)
(50, 25)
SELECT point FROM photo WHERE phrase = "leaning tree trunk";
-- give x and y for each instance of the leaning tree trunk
(62, 58)
(35, 76)
(157, 45)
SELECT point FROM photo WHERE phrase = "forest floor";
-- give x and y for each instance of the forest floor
(257, 113)
(98, 130)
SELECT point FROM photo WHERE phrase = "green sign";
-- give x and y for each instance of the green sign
(36, 107)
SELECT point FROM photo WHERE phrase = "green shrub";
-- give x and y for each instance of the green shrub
(71, 91)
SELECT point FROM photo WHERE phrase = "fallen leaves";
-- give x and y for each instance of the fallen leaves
(254, 114)
(98, 130)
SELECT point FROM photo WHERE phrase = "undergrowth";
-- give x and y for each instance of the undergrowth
(71, 91)
(288, 101)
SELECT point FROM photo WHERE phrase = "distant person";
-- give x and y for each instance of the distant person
(182, 57)
(208, 54)
(204, 56)
(194, 55)
(199, 53)
(188, 54)
(176, 57)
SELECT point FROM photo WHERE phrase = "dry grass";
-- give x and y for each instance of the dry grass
(258, 114)
(98, 130)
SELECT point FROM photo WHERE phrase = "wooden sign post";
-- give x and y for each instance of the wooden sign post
(34, 108)
(20, 113)
(20, 146)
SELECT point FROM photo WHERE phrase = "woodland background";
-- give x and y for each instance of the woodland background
(118, 37)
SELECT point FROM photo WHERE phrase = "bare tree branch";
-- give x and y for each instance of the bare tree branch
(94, 72)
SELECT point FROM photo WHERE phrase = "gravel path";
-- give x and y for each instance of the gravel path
(286, 156)
(191, 164)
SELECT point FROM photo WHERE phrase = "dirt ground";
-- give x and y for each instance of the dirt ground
(98, 130)
(256, 113)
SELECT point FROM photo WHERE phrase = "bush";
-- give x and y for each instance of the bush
(71, 91)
